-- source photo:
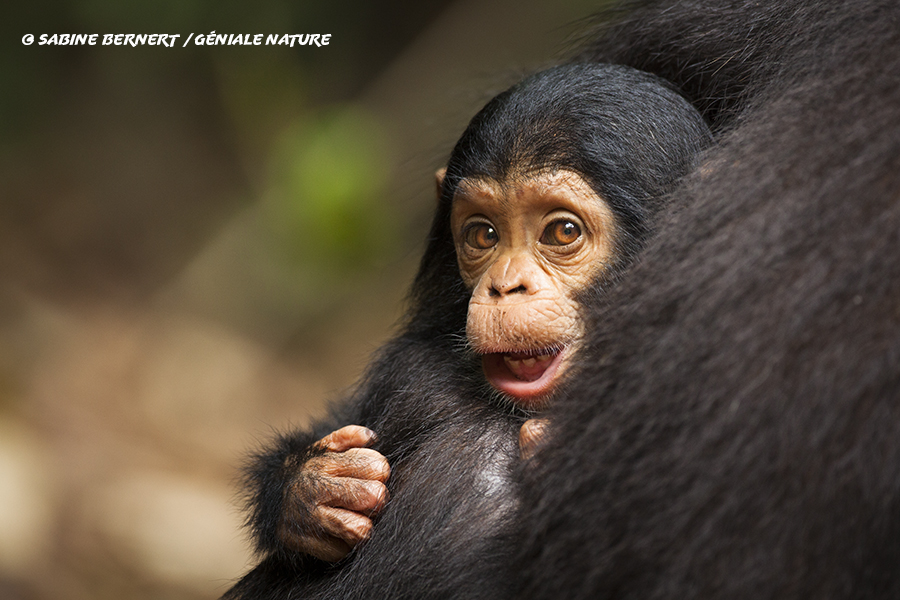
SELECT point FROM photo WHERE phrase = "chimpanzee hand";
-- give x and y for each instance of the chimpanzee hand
(329, 505)
(530, 436)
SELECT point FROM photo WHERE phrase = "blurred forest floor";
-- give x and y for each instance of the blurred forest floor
(199, 245)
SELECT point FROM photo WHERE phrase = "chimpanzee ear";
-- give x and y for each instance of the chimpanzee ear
(439, 180)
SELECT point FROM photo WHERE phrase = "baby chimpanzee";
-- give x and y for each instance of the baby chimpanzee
(547, 196)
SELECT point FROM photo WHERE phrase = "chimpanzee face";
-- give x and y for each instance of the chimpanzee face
(525, 248)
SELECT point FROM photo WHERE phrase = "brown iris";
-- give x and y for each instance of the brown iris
(481, 236)
(561, 233)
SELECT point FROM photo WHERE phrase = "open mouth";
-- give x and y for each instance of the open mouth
(525, 376)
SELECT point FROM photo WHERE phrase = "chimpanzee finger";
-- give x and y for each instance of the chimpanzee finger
(359, 463)
(531, 435)
(351, 436)
(359, 495)
(349, 526)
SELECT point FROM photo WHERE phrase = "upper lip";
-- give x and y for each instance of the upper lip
(523, 352)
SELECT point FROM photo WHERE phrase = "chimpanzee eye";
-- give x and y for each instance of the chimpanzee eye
(561, 233)
(481, 236)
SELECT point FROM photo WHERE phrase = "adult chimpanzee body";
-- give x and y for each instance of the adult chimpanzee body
(609, 136)
(734, 430)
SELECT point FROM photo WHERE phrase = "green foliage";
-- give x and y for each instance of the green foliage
(327, 195)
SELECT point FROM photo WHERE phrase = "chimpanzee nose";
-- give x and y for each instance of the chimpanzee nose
(508, 276)
(501, 290)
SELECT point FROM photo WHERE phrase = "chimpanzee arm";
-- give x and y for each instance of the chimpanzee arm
(313, 491)
(268, 476)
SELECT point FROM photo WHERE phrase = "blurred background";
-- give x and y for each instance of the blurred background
(201, 245)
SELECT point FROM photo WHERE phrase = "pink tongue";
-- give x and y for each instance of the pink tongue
(520, 366)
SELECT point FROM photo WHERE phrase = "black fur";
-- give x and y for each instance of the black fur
(735, 428)
(451, 442)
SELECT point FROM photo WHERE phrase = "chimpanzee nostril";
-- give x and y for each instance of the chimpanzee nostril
(493, 292)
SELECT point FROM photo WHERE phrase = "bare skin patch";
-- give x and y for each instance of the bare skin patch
(526, 247)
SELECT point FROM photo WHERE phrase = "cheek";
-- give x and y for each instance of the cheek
(533, 325)
(469, 273)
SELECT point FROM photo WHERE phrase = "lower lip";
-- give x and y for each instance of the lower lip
(527, 393)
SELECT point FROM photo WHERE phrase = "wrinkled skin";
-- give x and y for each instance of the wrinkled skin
(348, 482)
(531, 435)
(525, 248)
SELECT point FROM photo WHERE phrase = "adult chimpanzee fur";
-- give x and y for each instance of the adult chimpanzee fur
(734, 431)
(451, 441)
